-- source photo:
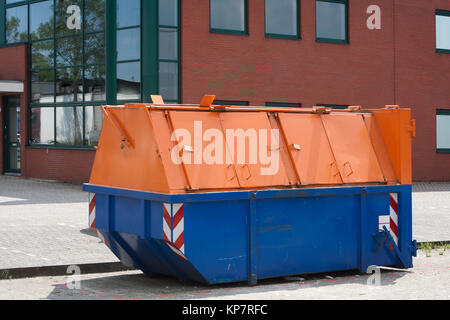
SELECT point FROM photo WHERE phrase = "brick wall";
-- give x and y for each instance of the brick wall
(373, 70)
(13, 66)
(59, 164)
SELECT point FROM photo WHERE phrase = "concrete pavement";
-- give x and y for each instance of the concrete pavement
(45, 223)
(429, 279)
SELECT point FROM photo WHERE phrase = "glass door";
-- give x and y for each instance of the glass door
(12, 154)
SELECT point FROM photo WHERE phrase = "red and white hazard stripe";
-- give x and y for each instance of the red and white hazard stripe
(394, 214)
(92, 199)
(173, 228)
(92, 220)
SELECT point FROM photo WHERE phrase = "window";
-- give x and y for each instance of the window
(16, 23)
(230, 103)
(334, 106)
(282, 18)
(332, 21)
(283, 104)
(128, 50)
(443, 31)
(228, 16)
(67, 70)
(443, 131)
(169, 60)
(69, 55)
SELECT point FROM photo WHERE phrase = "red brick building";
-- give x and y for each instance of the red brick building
(301, 52)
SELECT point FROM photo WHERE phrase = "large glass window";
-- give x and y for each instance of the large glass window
(282, 18)
(332, 21)
(67, 70)
(68, 64)
(228, 16)
(443, 131)
(169, 66)
(443, 31)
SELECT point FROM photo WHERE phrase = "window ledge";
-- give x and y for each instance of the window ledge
(443, 151)
(443, 50)
(226, 31)
(282, 36)
(336, 41)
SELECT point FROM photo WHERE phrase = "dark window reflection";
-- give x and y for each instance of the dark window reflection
(17, 24)
(168, 13)
(42, 54)
(94, 83)
(93, 125)
(228, 15)
(168, 44)
(69, 51)
(41, 20)
(168, 80)
(128, 13)
(129, 44)
(331, 20)
(69, 126)
(69, 87)
(42, 86)
(281, 17)
(66, 22)
(129, 81)
(94, 48)
(94, 15)
(42, 126)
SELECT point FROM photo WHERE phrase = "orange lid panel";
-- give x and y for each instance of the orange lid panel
(203, 148)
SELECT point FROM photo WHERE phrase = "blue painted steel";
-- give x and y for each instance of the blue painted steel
(251, 235)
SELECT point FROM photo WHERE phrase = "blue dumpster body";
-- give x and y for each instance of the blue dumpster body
(253, 235)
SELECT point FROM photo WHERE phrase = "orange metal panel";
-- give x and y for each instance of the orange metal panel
(310, 149)
(162, 134)
(291, 171)
(135, 167)
(352, 148)
(201, 174)
(252, 171)
(380, 148)
(397, 129)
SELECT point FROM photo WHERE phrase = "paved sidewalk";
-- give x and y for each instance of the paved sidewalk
(45, 223)
(431, 211)
(428, 280)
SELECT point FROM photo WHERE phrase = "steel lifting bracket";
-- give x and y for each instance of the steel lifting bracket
(380, 238)
(394, 245)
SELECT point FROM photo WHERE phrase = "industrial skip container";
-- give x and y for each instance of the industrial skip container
(339, 199)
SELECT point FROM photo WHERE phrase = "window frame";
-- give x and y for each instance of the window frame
(284, 104)
(441, 112)
(231, 103)
(284, 36)
(347, 33)
(178, 61)
(230, 31)
(444, 13)
(334, 106)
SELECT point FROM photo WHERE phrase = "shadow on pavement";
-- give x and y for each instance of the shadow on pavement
(138, 286)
